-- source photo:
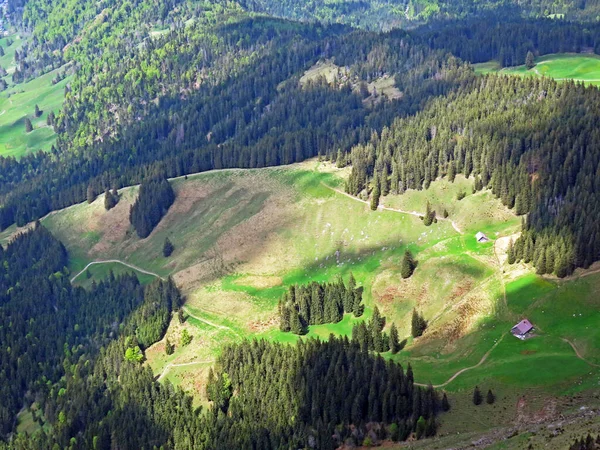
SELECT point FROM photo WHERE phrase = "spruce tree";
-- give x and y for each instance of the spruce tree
(169, 348)
(167, 248)
(490, 398)
(529, 61)
(186, 338)
(418, 324)
(37, 112)
(109, 200)
(510, 253)
(28, 125)
(477, 398)
(375, 195)
(429, 215)
(394, 341)
(408, 264)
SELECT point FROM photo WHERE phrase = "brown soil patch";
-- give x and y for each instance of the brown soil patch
(113, 225)
(260, 326)
(260, 281)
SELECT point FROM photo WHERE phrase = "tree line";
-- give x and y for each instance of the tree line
(545, 168)
(154, 200)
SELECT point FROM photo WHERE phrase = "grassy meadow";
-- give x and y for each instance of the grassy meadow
(560, 66)
(18, 102)
(242, 237)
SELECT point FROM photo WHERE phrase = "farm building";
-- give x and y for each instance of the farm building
(481, 237)
(522, 329)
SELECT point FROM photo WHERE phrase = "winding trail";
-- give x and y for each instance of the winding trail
(461, 371)
(212, 324)
(579, 354)
(168, 367)
(385, 208)
(116, 261)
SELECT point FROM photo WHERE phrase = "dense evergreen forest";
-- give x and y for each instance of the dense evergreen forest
(531, 141)
(313, 394)
(154, 200)
(49, 325)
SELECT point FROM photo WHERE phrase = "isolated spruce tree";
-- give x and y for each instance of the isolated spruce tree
(169, 348)
(394, 342)
(186, 338)
(429, 215)
(477, 398)
(529, 61)
(50, 118)
(418, 324)
(181, 315)
(408, 264)
(28, 125)
(167, 248)
(490, 397)
(109, 200)
(37, 112)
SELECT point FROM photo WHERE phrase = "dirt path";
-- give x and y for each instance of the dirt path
(461, 371)
(385, 208)
(212, 324)
(116, 261)
(168, 367)
(579, 354)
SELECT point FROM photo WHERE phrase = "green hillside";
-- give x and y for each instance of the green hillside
(560, 66)
(242, 237)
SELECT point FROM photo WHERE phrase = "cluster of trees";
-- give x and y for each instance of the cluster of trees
(370, 14)
(587, 443)
(490, 398)
(315, 394)
(371, 337)
(545, 168)
(154, 200)
(111, 198)
(317, 303)
(508, 39)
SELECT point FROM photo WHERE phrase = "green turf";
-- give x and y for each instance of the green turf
(560, 66)
(18, 102)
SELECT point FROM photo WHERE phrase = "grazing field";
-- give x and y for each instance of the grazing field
(242, 237)
(560, 66)
(18, 102)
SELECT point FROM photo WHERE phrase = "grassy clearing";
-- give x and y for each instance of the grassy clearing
(18, 102)
(100, 272)
(560, 66)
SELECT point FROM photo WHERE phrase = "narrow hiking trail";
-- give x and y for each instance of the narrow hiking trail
(579, 354)
(116, 261)
(168, 367)
(461, 371)
(385, 208)
(212, 324)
